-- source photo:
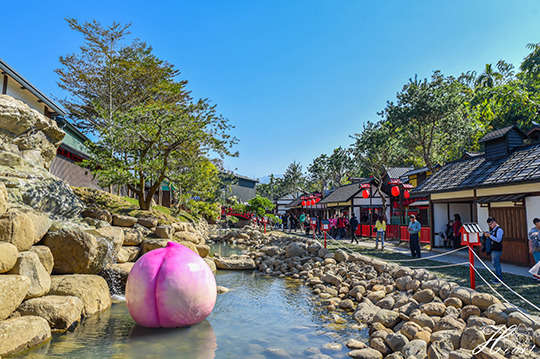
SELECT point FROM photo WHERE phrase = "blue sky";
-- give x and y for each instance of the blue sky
(296, 78)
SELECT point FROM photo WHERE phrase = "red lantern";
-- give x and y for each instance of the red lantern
(365, 193)
(395, 191)
(312, 202)
(318, 200)
(303, 203)
(406, 194)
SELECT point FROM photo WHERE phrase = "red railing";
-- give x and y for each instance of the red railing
(392, 231)
(403, 233)
(425, 235)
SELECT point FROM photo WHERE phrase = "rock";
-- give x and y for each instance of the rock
(330, 348)
(423, 320)
(379, 345)
(235, 263)
(415, 348)
(222, 290)
(409, 329)
(116, 276)
(295, 249)
(19, 334)
(8, 256)
(187, 236)
(114, 235)
(148, 222)
(355, 344)
(75, 251)
(3, 198)
(453, 302)
(464, 294)
(452, 336)
(28, 265)
(469, 310)
(401, 282)
(150, 244)
(97, 213)
(449, 323)
(203, 250)
(211, 264)
(396, 341)
(128, 254)
(332, 279)
(365, 312)
(45, 257)
(163, 232)
(367, 353)
(61, 312)
(341, 256)
(275, 353)
(471, 338)
(346, 304)
(437, 309)
(439, 350)
(460, 354)
(424, 296)
(497, 312)
(132, 237)
(13, 290)
(123, 221)
(17, 228)
(477, 321)
(92, 290)
(386, 317)
(483, 300)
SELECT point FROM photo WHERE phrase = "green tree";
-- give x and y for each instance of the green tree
(293, 179)
(273, 189)
(429, 119)
(318, 172)
(260, 205)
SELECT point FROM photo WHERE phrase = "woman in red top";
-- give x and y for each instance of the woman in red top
(456, 229)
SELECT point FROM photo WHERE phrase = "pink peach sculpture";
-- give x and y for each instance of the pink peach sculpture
(170, 287)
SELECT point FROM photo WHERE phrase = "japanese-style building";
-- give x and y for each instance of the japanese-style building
(241, 187)
(72, 151)
(502, 182)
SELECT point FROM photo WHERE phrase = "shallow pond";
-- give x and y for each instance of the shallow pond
(261, 317)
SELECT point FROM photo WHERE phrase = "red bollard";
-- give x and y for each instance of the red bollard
(472, 277)
(264, 227)
(324, 239)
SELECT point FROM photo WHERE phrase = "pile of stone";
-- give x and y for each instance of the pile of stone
(410, 312)
(54, 252)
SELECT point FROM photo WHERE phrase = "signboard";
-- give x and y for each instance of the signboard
(470, 234)
(314, 222)
(325, 225)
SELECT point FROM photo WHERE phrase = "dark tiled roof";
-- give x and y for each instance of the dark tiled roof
(499, 133)
(505, 198)
(342, 194)
(397, 172)
(522, 165)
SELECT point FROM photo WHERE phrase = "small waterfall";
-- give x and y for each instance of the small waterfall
(114, 279)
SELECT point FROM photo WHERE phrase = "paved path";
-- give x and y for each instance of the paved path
(457, 257)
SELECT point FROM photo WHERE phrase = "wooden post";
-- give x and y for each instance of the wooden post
(472, 277)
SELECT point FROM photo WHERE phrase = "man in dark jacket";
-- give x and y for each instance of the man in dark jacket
(353, 223)
(495, 238)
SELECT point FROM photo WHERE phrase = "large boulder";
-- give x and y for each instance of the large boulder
(19, 334)
(3, 198)
(92, 290)
(114, 235)
(13, 289)
(132, 236)
(97, 213)
(188, 236)
(28, 265)
(211, 264)
(128, 254)
(61, 312)
(235, 263)
(203, 250)
(148, 222)
(76, 251)
(8, 256)
(295, 249)
(16, 227)
(163, 232)
(116, 275)
(45, 257)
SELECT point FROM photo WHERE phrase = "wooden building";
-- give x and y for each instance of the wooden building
(502, 182)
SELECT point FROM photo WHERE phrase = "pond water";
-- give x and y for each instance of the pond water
(259, 318)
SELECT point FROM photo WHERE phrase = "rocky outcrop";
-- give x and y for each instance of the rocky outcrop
(21, 333)
(45, 257)
(61, 312)
(128, 254)
(76, 251)
(123, 221)
(92, 290)
(13, 290)
(234, 263)
(29, 265)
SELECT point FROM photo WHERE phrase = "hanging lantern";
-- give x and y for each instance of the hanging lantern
(318, 200)
(406, 194)
(312, 202)
(365, 193)
(395, 191)
(303, 203)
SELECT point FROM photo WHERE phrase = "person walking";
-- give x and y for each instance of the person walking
(495, 237)
(380, 226)
(353, 223)
(534, 241)
(307, 224)
(414, 241)
(341, 225)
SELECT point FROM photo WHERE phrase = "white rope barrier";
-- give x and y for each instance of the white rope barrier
(441, 266)
(500, 295)
(504, 284)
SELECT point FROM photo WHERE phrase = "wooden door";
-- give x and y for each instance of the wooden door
(514, 223)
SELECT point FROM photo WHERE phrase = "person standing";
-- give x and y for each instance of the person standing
(341, 224)
(495, 236)
(414, 241)
(380, 226)
(353, 223)
(456, 228)
(307, 225)
(534, 240)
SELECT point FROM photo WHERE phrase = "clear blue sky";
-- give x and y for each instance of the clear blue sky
(296, 78)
